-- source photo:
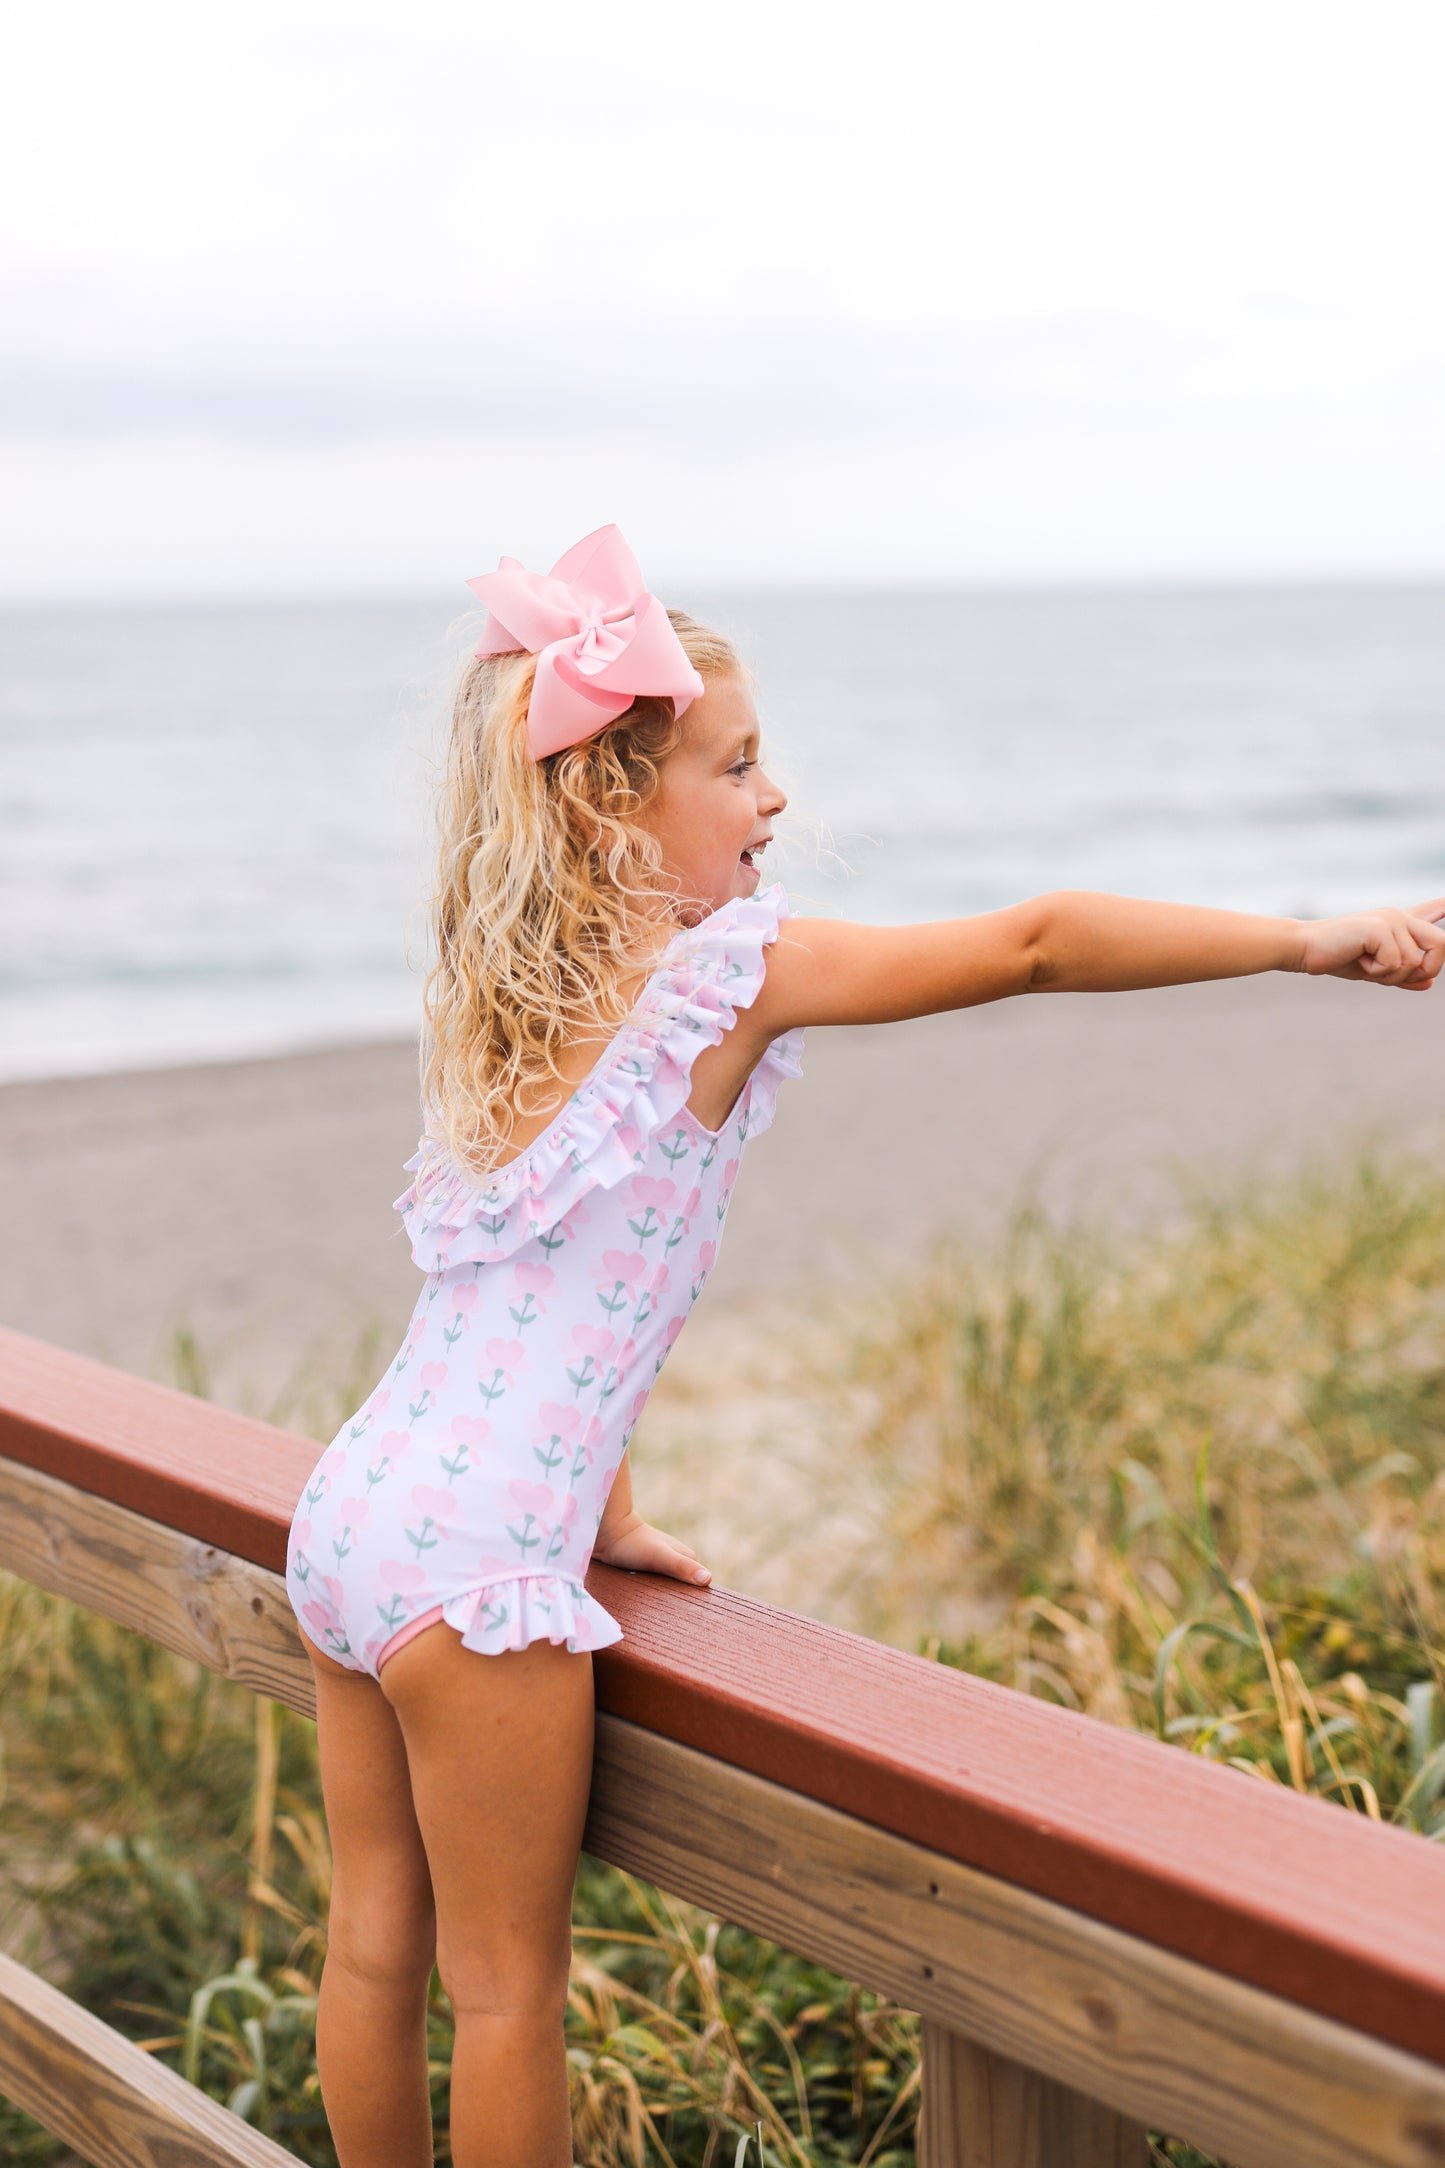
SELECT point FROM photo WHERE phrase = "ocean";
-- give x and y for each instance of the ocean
(216, 824)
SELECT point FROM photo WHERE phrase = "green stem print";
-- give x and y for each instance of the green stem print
(379, 1473)
(392, 1614)
(460, 1466)
(314, 1497)
(523, 1537)
(679, 1231)
(550, 1454)
(341, 1545)
(527, 1314)
(425, 1540)
(676, 1147)
(420, 1407)
(647, 1226)
(614, 1301)
(495, 1614)
(495, 1390)
(453, 1332)
(553, 1239)
(584, 1376)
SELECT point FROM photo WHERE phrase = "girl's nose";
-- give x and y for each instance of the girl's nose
(776, 796)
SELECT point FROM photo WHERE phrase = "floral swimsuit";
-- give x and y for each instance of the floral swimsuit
(470, 1484)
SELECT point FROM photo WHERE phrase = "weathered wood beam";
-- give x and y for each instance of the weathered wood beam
(1150, 2035)
(117, 2106)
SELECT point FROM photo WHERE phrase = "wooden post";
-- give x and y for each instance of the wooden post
(980, 2111)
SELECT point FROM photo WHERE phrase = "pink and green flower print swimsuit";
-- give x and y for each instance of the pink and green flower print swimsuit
(470, 1484)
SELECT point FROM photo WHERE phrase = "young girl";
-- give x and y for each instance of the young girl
(616, 997)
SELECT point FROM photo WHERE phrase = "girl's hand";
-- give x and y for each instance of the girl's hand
(1394, 948)
(638, 1547)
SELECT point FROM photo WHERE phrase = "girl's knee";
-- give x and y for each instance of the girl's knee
(382, 1946)
(512, 1979)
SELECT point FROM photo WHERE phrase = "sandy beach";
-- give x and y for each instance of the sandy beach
(250, 1202)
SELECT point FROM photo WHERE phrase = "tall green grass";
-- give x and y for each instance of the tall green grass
(1191, 1481)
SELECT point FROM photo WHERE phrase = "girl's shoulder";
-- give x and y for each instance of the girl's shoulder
(703, 976)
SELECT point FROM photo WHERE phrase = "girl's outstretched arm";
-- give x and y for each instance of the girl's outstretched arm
(828, 971)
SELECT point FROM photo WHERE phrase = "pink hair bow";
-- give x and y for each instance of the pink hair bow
(599, 637)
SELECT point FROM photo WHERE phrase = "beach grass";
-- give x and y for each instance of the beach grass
(1189, 1479)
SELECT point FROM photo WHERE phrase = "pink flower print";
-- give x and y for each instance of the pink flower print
(508, 1358)
(589, 1343)
(566, 1515)
(400, 1577)
(333, 1591)
(387, 1454)
(300, 1535)
(459, 1305)
(400, 1583)
(534, 1500)
(674, 1327)
(555, 1424)
(433, 1378)
(650, 1193)
(591, 1340)
(433, 1509)
(585, 1447)
(331, 1462)
(659, 1280)
(529, 1284)
(630, 1138)
(706, 1258)
(409, 1345)
(622, 1362)
(469, 1434)
(690, 1203)
(327, 1630)
(617, 1276)
(351, 1514)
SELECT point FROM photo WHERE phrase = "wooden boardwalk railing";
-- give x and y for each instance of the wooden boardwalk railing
(1100, 1933)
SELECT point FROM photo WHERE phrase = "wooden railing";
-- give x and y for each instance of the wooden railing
(1101, 1933)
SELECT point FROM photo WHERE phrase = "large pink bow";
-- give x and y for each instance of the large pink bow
(600, 639)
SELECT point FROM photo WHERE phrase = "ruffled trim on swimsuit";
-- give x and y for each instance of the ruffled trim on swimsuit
(509, 1614)
(709, 972)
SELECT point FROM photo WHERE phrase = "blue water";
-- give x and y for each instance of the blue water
(215, 825)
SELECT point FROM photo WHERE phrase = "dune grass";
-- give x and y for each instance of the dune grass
(1190, 1480)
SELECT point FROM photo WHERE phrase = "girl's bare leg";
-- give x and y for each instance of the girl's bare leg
(500, 1752)
(381, 1943)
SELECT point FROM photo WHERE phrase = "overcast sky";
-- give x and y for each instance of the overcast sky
(316, 298)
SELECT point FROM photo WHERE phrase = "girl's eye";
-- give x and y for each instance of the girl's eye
(742, 767)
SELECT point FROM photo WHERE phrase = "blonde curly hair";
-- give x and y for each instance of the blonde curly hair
(547, 902)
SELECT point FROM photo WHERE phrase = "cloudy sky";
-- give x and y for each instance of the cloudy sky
(316, 298)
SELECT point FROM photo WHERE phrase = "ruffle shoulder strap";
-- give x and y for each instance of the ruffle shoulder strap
(707, 973)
